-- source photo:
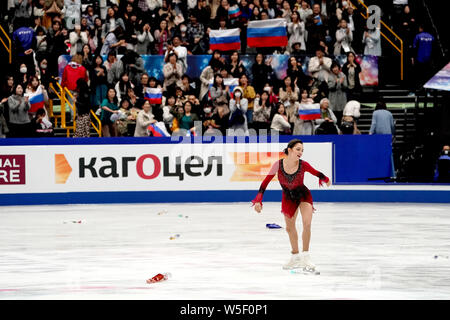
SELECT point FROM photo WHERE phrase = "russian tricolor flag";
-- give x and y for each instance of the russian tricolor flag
(36, 100)
(225, 40)
(234, 11)
(309, 111)
(154, 95)
(230, 82)
(158, 130)
(267, 33)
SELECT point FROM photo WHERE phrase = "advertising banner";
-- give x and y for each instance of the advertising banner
(149, 167)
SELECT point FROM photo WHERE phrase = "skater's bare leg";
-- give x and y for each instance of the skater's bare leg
(306, 210)
(292, 231)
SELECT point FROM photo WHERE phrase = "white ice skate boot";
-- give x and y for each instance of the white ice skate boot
(308, 265)
(295, 262)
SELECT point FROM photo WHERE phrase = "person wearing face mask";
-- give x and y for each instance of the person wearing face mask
(208, 120)
(22, 75)
(44, 75)
(238, 109)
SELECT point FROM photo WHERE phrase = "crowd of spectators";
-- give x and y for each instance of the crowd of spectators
(106, 74)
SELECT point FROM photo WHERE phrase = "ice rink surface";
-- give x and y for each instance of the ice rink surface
(224, 251)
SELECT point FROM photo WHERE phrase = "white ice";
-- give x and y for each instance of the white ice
(225, 251)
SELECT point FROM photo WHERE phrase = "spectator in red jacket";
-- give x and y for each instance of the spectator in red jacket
(72, 72)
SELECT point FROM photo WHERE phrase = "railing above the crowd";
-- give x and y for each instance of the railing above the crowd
(61, 93)
(400, 50)
(8, 46)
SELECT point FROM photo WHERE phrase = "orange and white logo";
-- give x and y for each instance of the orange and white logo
(62, 169)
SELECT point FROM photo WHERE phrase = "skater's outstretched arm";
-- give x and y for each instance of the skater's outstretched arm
(257, 202)
(322, 178)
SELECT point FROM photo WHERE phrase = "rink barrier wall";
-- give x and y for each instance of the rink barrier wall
(399, 196)
(355, 161)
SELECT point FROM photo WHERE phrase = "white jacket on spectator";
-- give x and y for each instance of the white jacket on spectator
(352, 109)
(321, 72)
(279, 123)
(144, 39)
(153, 4)
(77, 41)
(72, 12)
(296, 33)
(172, 74)
(143, 120)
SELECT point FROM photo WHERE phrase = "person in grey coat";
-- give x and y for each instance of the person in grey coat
(19, 120)
(382, 120)
(337, 84)
(372, 42)
(144, 40)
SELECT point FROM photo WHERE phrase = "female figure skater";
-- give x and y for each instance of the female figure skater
(291, 171)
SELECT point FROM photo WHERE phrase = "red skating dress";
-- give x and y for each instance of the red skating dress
(294, 191)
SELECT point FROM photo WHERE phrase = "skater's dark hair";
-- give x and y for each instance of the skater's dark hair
(291, 144)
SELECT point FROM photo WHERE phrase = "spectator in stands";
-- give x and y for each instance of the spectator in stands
(289, 95)
(236, 66)
(72, 72)
(86, 53)
(40, 125)
(78, 39)
(295, 71)
(22, 75)
(220, 116)
(442, 171)
(24, 45)
(207, 76)
(344, 38)
(72, 13)
(123, 85)
(132, 27)
(261, 113)
(327, 124)
(32, 86)
(109, 107)
(179, 50)
(133, 63)
(372, 41)
(348, 125)
(422, 61)
(3, 124)
(296, 32)
(238, 110)
(320, 66)
(41, 41)
(144, 118)
(249, 93)
(95, 35)
(352, 70)
(303, 127)
(173, 71)
(142, 86)
(162, 36)
(196, 34)
(219, 89)
(113, 40)
(382, 120)
(317, 26)
(261, 71)
(280, 121)
(356, 24)
(286, 11)
(126, 124)
(144, 40)
(186, 87)
(19, 121)
(337, 84)
(56, 46)
(99, 81)
(188, 118)
(303, 9)
(90, 16)
(112, 22)
(83, 105)
(22, 12)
